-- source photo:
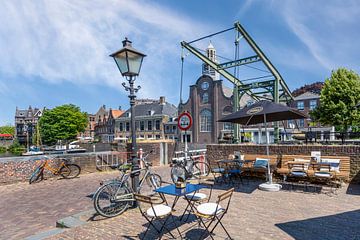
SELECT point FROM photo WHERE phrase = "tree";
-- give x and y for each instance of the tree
(7, 129)
(338, 100)
(62, 123)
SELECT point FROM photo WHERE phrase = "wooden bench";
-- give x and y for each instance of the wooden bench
(344, 167)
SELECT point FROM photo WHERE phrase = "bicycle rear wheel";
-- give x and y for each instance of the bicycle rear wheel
(112, 199)
(178, 172)
(70, 170)
(201, 169)
(35, 176)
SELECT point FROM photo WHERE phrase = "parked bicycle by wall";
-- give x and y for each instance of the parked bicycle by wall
(189, 167)
(66, 169)
(115, 196)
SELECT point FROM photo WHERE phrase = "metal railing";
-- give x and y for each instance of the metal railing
(104, 161)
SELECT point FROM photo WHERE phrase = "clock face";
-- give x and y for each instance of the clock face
(205, 85)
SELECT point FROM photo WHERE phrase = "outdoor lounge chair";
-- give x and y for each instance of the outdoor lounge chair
(157, 211)
(323, 174)
(210, 212)
(298, 171)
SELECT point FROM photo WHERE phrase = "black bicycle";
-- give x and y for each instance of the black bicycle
(187, 168)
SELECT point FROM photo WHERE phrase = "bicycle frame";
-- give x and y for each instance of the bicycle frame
(54, 171)
(124, 180)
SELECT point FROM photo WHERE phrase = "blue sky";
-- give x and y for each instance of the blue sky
(56, 52)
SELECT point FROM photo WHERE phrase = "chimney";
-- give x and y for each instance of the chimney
(162, 100)
(120, 108)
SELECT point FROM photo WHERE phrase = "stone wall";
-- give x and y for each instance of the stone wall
(221, 151)
(19, 169)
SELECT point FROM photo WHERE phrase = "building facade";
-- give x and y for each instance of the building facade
(307, 102)
(151, 119)
(89, 132)
(105, 123)
(25, 124)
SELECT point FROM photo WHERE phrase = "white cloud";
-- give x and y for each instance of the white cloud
(69, 41)
(328, 29)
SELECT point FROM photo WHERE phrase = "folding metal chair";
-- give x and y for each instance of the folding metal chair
(220, 170)
(196, 198)
(157, 211)
(209, 213)
(235, 170)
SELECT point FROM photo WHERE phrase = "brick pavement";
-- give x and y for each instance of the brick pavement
(254, 214)
(28, 209)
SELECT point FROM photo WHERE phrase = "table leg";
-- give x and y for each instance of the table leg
(174, 203)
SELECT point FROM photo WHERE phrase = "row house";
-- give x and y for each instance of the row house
(105, 123)
(89, 132)
(153, 119)
(25, 124)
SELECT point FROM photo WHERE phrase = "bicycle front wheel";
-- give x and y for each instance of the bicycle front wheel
(112, 199)
(177, 173)
(36, 175)
(154, 180)
(201, 169)
(70, 170)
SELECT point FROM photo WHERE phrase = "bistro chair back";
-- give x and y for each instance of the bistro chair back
(214, 212)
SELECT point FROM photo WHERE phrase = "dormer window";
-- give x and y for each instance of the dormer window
(151, 112)
(128, 114)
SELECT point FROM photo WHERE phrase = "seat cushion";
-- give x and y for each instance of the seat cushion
(209, 208)
(322, 174)
(298, 174)
(218, 170)
(261, 163)
(334, 164)
(196, 196)
(160, 210)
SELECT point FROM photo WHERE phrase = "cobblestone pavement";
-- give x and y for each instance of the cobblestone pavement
(29, 209)
(254, 214)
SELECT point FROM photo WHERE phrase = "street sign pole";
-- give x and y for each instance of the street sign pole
(184, 124)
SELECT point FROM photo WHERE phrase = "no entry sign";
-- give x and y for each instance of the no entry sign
(184, 121)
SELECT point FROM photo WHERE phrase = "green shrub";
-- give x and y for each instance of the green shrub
(16, 148)
(2, 149)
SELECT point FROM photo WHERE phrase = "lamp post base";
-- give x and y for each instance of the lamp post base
(270, 187)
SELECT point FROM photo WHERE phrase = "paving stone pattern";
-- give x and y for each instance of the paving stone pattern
(30, 209)
(253, 214)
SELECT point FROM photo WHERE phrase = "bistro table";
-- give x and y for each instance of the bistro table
(180, 192)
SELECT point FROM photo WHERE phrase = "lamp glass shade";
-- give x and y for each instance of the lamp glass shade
(129, 62)
(121, 62)
(134, 62)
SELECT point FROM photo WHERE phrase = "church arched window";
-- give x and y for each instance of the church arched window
(205, 120)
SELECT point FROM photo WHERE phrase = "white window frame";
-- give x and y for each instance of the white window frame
(205, 120)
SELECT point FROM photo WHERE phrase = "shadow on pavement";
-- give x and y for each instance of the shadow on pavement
(339, 226)
(354, 186)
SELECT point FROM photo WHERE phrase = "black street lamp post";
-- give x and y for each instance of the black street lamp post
(129, 61)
